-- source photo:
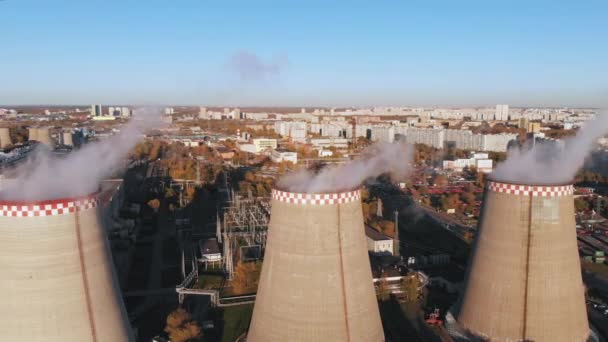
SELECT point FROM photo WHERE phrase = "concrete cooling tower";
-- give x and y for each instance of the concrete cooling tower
(524, 279)
(67, 139)
(44, 136)
(5, 137)
(316, 281)
(32, 134)
(58, 282)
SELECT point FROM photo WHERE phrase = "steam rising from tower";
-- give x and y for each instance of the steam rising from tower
(393, 159)
(45, 176)
(547, 164)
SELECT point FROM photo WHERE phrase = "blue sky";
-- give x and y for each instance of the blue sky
(304, 53)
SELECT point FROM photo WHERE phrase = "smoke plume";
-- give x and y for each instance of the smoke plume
(250, 67)
(393, 159)
(547, 163)
(48, 176)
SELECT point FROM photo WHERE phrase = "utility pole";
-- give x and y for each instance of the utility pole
(396, 246)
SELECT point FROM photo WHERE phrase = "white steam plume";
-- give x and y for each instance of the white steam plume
(380, 158)
(547, 164)
(46, 176)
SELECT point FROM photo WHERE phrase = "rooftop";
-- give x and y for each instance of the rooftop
(209, 246)
(375, 235)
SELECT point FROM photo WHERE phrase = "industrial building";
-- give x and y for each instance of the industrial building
(58, 282)
(524, 278)
(316, 282)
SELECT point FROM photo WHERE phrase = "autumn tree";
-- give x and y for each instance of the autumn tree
(468, 198)
(242, 280)
(181, 327)
(383, 291)
(387, 227)
(440, 180)
(154, 204)
(410, 286)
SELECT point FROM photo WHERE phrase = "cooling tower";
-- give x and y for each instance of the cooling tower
(32, 133)
(67, 139)
(316, 282)
(524, 279)
(44, 136)
(5, 137)
(58, 282)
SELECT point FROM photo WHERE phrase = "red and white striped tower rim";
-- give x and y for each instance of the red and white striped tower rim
(531, 190)
(316, 199)
(62, 206)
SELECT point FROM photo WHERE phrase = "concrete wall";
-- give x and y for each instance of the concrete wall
(316, 282)
(524, 280)
(58, 281)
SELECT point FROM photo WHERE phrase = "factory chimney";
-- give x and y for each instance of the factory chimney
(58, 282)
(524, 278)
(5, 137)
(316, 282)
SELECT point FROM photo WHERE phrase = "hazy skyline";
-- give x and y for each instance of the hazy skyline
(274, 53)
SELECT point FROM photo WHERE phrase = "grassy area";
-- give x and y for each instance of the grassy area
(209, 281)
(236, 321)
(599, 269)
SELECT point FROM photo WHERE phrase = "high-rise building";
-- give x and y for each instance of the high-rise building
(502, 113)
(125, 112)
(96, 110)
(202, 113)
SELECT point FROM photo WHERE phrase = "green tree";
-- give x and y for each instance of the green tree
(581, 204)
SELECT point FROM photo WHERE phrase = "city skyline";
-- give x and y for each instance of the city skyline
(310, 54)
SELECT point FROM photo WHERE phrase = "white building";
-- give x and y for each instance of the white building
(478, 160)
(427, 136)
(497, 142)
(378, 243)
(296, 130)
(325, 153)
(278, 156)
(262, 144)
(325, 143)
(502, 113)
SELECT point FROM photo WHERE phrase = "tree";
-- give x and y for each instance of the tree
(581, 204)
(468, 237)
(410, 285)
(181, 327)
(449, 201)
(440, 180)
(241, 281)
(387, 227)
(154, 204)
(468, 198)
(383, 291)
